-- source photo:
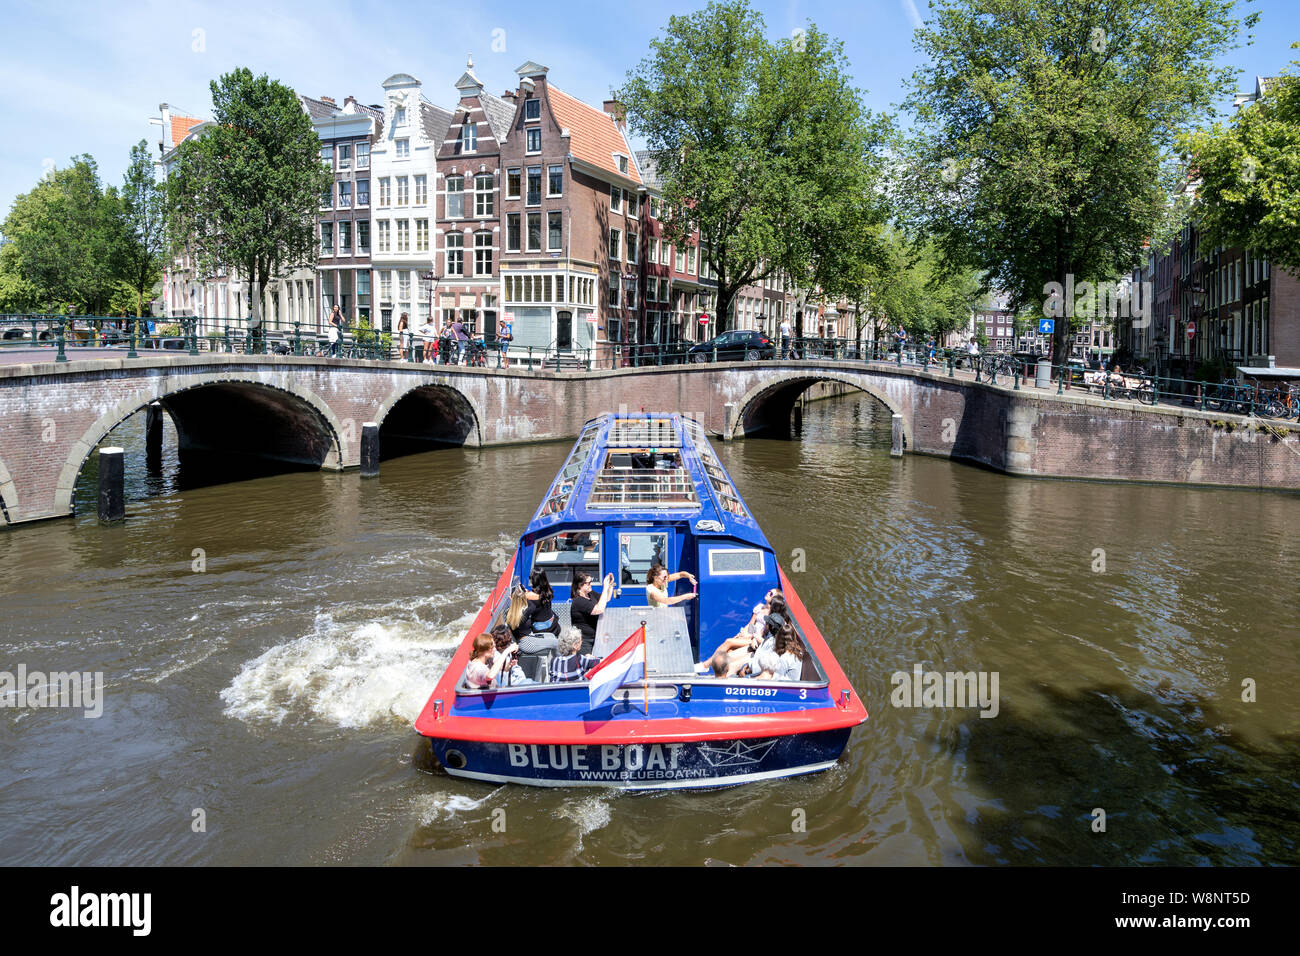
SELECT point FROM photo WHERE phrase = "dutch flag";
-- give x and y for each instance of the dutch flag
(624, 665)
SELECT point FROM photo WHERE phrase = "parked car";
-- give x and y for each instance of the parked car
(734, 346)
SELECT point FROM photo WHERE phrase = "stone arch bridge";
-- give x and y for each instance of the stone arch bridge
(309, 411)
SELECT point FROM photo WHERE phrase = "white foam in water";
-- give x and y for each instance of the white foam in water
(589, 813)
(347, 674)
(437, 806)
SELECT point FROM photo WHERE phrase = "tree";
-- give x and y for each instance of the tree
(913, 287)
(244, 194)
(764, 147)
(1046, 131)
(64, 242)
(143, 225)
(1249, 171)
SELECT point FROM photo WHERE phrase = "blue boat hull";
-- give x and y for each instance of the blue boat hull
(649, 766)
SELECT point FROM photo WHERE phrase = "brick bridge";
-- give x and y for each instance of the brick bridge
(309, 411)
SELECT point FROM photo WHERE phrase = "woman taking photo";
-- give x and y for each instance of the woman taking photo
(485, 664)
(656, 586)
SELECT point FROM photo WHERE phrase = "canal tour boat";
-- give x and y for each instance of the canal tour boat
(635, 491)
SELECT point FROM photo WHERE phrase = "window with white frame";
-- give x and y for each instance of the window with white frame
(484, 204)
(631, 204)
(554, 231)
(403, 149)
(534, 185)
(482, 253)
(345, 195)
(363, 237)
(327, 155)
(403, 192)
(534, 232)
(512, 182)
(363, 155)
(327, 197)
(421, 235)
(421, 190)
(385, 285)
(381, 233)
(384, 194)
(455, 197)
(654, 207)
(399, 116)
(345, 155)
(403, 285)
(455, 254)
(681, 261)
(615, 244)
(327, 238)
(363, 192)
(690, 260)
(532, 109)
(512, 232)
(554, 180)
(613, 291)
(622, 164)
(615, 199)
(631, 247)
(403, 235)
(345, 238)
(665, 253)
(534, 144)
(469, 138)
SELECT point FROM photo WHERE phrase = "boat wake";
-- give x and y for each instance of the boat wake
(347, 674)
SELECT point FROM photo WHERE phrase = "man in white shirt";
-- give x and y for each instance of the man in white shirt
(785, 338)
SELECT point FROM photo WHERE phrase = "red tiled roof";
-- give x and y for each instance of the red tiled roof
(593, 137)
(181, 126)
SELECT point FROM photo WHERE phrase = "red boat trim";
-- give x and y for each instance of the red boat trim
(446, 726)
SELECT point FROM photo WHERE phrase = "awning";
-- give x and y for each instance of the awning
(1265, 371)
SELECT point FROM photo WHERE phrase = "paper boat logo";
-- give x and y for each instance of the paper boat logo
(738, 753)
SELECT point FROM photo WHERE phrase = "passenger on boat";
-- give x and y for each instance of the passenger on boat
(485, 664)
(571, 665)
(540, 612)
(750, 638)
(586, 607)
(512, 675)
(520, 621)
(790, 654)
(656, 585)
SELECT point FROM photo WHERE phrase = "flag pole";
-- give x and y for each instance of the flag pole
(645, 678)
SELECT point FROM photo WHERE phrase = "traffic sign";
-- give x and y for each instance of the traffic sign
(1191, 329)
(1046, 326)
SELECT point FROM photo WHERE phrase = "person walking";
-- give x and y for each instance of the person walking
(505, 335)
(404, 337)
(785, 338)
(336, 331)
(900, 337)
(462, 340)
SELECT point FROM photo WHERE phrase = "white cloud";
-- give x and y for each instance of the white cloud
(909, 7)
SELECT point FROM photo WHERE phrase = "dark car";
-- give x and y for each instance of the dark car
(734, 346)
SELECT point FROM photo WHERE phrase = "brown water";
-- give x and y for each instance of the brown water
(275, 689)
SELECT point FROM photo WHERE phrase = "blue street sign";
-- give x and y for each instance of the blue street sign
(1045, 326)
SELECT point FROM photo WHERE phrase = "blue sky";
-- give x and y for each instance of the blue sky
(85, 77)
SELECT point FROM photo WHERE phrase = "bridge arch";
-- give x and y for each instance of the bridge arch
(285, 422)
(8, 495)
(773, 399)
(430, 412)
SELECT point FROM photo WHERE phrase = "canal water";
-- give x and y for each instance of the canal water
(266, 644)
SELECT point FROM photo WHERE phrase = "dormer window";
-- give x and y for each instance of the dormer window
(622, 164)
(399, 116)
(532, 108)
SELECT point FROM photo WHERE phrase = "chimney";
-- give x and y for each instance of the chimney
(329, 100)
(615, 109)
(350, 101)
(509, 96)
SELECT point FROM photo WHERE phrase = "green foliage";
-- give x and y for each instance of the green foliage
(1249, 169)
(245, 193)
(64, 243)
(913, 286)
(763, 146)
(364, 333)
(1045, 131)
(143, 226)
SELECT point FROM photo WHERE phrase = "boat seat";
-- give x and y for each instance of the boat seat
(564, 613)
(537, 666)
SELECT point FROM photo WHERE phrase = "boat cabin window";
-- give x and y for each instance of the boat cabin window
(643, 479)
(637, 551)
(560, 555)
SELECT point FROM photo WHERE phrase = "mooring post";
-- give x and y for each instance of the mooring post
(153, 431)
(370, 450)
(728, 420)
(112, 501)
(896, 449)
